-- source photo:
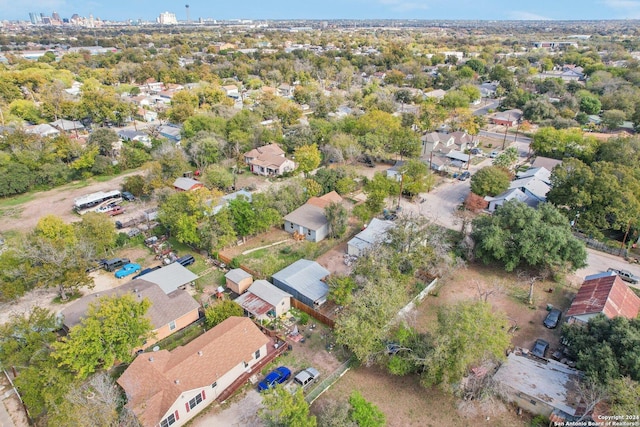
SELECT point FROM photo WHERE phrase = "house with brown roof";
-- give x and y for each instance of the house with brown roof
(168, 388)
(310, 219)
(603, 293)
(268, 160)
(169, 312)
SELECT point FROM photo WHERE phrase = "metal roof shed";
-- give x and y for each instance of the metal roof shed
(171, 277)
(304, 280)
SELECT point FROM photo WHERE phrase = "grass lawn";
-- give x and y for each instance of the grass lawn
(270, 260)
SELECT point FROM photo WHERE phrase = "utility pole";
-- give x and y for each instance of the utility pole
(624, 239)
(400, 195)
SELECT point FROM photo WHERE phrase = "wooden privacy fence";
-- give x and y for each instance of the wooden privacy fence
(313, 313)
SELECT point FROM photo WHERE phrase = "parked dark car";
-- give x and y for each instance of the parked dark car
(115, 263)
(540, 348)
(277, 376)
(128, 196)
(186, 260)
(464, 176)
(625, 275)
(553, 318)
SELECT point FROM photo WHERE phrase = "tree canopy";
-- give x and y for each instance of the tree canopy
(519, 236)
(490, 181)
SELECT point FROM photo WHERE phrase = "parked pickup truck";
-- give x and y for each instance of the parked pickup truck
(306, 377)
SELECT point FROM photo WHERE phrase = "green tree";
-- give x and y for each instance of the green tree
(219, 312)
(518, 236)
(416, 178)
(605, 349)
(135, 184)
(104, 139)
(219, 231)
(490, 181)
(365, 413)
(110, 331)
(589, 103)
(25, 338)
(507, 158)
(455, 99)
(308, 157)
(467, 333)
(217, 176)
(613, 119)
(97, 230)
(338, 218)
(15, 178)
(284, 409)
(625, 396)
(184, 211)
(341, 289)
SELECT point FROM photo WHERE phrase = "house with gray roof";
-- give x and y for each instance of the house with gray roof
(169, 311)
(173, 276)
(305, 281)
(532, 187)
(539, 386)
(224, 200)
(511, 194)
(68, 125)
(264, 301)
(43, 130)
(374, 233)
(309, 219)
(540, 173)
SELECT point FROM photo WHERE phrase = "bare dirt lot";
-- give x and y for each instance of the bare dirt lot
(58, 201)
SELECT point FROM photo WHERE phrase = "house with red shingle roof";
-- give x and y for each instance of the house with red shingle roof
(168, 388)
(603, 293)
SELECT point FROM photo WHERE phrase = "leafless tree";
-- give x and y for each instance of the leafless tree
(591, 393)
(485, 292)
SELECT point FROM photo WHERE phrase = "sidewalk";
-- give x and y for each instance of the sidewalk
(5, 419)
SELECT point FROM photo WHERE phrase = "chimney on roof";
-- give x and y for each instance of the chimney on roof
(200, 353)
(135, 291)
(151, 359)
(177, 381)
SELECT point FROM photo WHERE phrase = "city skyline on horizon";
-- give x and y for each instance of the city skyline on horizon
(498, 10)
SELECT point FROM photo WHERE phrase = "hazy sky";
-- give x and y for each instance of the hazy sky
(330, 9)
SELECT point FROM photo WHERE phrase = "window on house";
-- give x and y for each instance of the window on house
(257, 354)
(245, 364)
(309, 233)
(214, 385)
(171, 419)
(195, 401)
(172, 325)
(291, 225)
(533, 402)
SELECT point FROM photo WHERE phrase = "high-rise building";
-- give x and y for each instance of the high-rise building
(56, 17)
(35, 18)
(167, 18)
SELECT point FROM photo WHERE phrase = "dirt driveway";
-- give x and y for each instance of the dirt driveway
(58, 201)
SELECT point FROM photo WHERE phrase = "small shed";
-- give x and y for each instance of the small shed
(238, 280)
(187, 184)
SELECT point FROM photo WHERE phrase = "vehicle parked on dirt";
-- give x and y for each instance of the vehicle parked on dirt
(494, 154)
(540, 348)
(113, 264)
(117, 210)
(552, 319)
(127, 269)
(625, 275)
(128, 196)
(277, 376)
(133, 232)
(306, 377)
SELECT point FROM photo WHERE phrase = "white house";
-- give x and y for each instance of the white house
(374, 233)
(310, 219)
(168, 388)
